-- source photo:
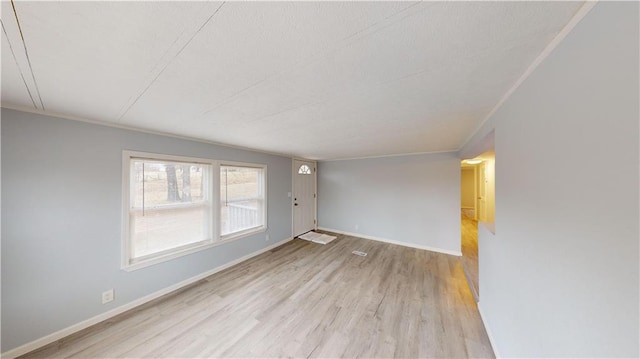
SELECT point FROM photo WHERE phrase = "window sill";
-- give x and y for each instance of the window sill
(242, 234)
(130, 267)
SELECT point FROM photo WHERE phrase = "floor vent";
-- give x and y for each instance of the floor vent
(358, 253)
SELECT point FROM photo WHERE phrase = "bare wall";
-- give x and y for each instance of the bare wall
(414, 200)
(61, 221)
(560, 278)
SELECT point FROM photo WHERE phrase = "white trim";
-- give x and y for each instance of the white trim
(489, 333)
(243, 164)
(161, 157)
(249, 231)
(128, 263)
(183, 252)
(404, 244)
(48, 339)
(393, 155)
(243, 233)
(577, 17)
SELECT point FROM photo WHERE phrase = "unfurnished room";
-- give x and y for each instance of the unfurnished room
(339, 179)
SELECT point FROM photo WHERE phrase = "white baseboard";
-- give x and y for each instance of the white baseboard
(489, 334)
(411, 245)
(48, 339)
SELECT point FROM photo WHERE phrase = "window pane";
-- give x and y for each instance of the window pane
(242, 198)
(156, 230)
(169, 205)
(167, 183)
(304, 170)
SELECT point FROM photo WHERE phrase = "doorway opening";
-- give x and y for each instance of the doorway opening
(477, 205)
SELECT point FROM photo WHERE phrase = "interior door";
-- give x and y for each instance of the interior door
(304, 197)
(482, 193)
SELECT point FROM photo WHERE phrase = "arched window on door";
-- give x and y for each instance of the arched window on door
(304, 170)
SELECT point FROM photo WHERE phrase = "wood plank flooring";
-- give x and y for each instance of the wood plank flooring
(303, 300)
(470, 251)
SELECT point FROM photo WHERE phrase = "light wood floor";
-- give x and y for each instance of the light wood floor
(470, 250)
(303, 300)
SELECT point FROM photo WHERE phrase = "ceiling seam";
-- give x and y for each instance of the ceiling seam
(152, 71)
(289, 109)
(170, 61)
(17, 64)
(343, 43)
(384, 20)
(577, 17)
(26, 53)
(372, 29)
(233, 97)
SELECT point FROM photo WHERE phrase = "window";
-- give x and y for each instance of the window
(242, 199)
(170, 206)
(304, 170)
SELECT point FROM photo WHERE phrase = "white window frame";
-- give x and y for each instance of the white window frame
(129, 263)
(249, 231)
(216, 238)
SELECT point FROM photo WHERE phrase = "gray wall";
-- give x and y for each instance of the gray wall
(412, 199)
(560, 276)
(61, 221)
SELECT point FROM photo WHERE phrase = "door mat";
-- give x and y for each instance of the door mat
(316, 237)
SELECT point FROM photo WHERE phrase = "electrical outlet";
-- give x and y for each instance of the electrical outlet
(266, 238)
(107, 296)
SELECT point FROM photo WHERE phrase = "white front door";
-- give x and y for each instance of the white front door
(304, 197)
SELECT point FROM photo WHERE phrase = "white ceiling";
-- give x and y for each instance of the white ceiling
(320, 80)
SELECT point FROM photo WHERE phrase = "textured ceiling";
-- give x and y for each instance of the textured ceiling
(320, 80)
